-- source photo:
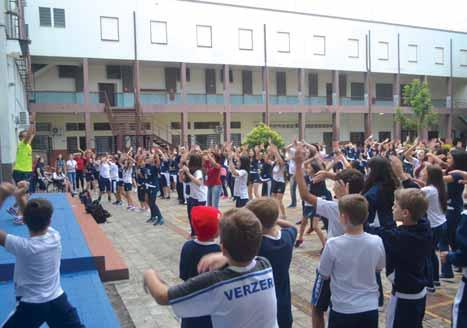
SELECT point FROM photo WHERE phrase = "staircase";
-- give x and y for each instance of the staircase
(125, 122)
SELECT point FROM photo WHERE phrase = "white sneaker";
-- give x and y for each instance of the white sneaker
(18, 220)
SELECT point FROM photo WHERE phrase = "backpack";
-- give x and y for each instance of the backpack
(85, 198)
(99, 214)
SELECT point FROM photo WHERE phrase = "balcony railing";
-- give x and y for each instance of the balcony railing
(246, 100)
(315, 101)
(283, 100)
(438, 103)
(384, 102)
(349, 101)
(57, 97)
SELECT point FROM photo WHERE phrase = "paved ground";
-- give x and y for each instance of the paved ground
(144, 246)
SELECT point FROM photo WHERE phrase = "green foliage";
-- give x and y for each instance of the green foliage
(417, 95)
(261, 135)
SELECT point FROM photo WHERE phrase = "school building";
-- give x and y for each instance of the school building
(107, 74)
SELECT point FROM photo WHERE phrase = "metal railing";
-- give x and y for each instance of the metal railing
(349, 101)
(57, 97)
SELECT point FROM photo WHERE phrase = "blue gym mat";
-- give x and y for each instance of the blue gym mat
(85, 292)
(75, 252)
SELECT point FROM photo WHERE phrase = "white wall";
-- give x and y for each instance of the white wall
(81, 37)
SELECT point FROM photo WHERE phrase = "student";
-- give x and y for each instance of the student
(254, 180)
(21, 195)
(104, 178)
(127, 179)
(198, 190)
(80, 165)
(435, 193)
(266, 175)
(277, 246)
(459, 259)
(151, 182)
(206, 224)
(350, 261)
(239, 295)
(213, 181)
(241, 174)
(114, 180)
(140, 186)
(71, 172)
(40, 297)
(278, 179)
(408, 250)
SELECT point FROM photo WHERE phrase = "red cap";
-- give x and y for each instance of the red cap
(205, 221)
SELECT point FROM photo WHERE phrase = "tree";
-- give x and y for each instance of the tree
(417, 95)
(261, 135)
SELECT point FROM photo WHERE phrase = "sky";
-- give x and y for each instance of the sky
(444, 14)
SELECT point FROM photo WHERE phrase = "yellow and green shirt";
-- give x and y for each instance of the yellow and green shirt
(23, 157)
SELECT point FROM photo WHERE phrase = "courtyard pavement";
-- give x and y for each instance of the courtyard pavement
(144, 246)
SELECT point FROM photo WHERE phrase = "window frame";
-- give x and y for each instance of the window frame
(210, 38)
(463, 57)
(64, 18)
(50, 15)
(288, 38)
(442, 52)
(386, 43)
(315, 38)
(412, 46)
(118, 28)
(358, 47)
(240, 29)
(166, 32)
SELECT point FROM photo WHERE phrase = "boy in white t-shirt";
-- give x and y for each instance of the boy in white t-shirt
(40, 297)
(240, 295)
(351, 261)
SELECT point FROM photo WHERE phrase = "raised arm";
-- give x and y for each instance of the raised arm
(300, 178)
(32, 128)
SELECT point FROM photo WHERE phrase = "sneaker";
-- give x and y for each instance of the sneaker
(431, 290)
(150, 220)
(159, 220)
(298, 222)
(436, 283)
(114, 203)
(298, 243)
(18, 219)
(291, 206)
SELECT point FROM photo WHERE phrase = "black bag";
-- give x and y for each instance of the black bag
(85, 198)
(99, 214)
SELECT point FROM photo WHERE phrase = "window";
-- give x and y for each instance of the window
(319, 45)
(342, 85)
(247, 82)
(221, 76)
(463, 57)
(158, 32)
(383, 50)
(43, 127)
(187, 75)
(102, 127)
(71, 144)
(206, 125)
(439, 55)
(210, 79)
(45, 16)
(313, 84)
(75, 126)
(204, 36)
(357, 91)
(412, 53)
(283, 42)
(353, 45)
(236, 139)
(245, 39)
(42, 143)
(281, 84)
(175, 125)
(59, 17)
(383, 91)
(113, 72)
(235, 125)
(109, 29)
(67, 71)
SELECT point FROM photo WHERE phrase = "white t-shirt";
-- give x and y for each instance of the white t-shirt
(198, 192)
(434, 213)
(241, 184)
(71, 166)
(113, 171)
(290, 156)
(37, 268)
(104, 170)
(351, 262)
(278, 173)
(330, 210)
(128, 175)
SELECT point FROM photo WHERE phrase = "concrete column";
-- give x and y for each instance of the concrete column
(396, 98)
(184, 114)
(227, 107)
(138, 108)
(450, 106)
(265, 76)
(87, 115)
(369, 100)
(301, 99)
(336, 121)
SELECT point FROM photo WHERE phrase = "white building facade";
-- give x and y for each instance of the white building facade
(107, 72)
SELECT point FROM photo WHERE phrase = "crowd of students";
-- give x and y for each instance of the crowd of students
(394, 206)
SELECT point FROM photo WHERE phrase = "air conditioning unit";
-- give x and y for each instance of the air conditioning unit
(57, 131)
